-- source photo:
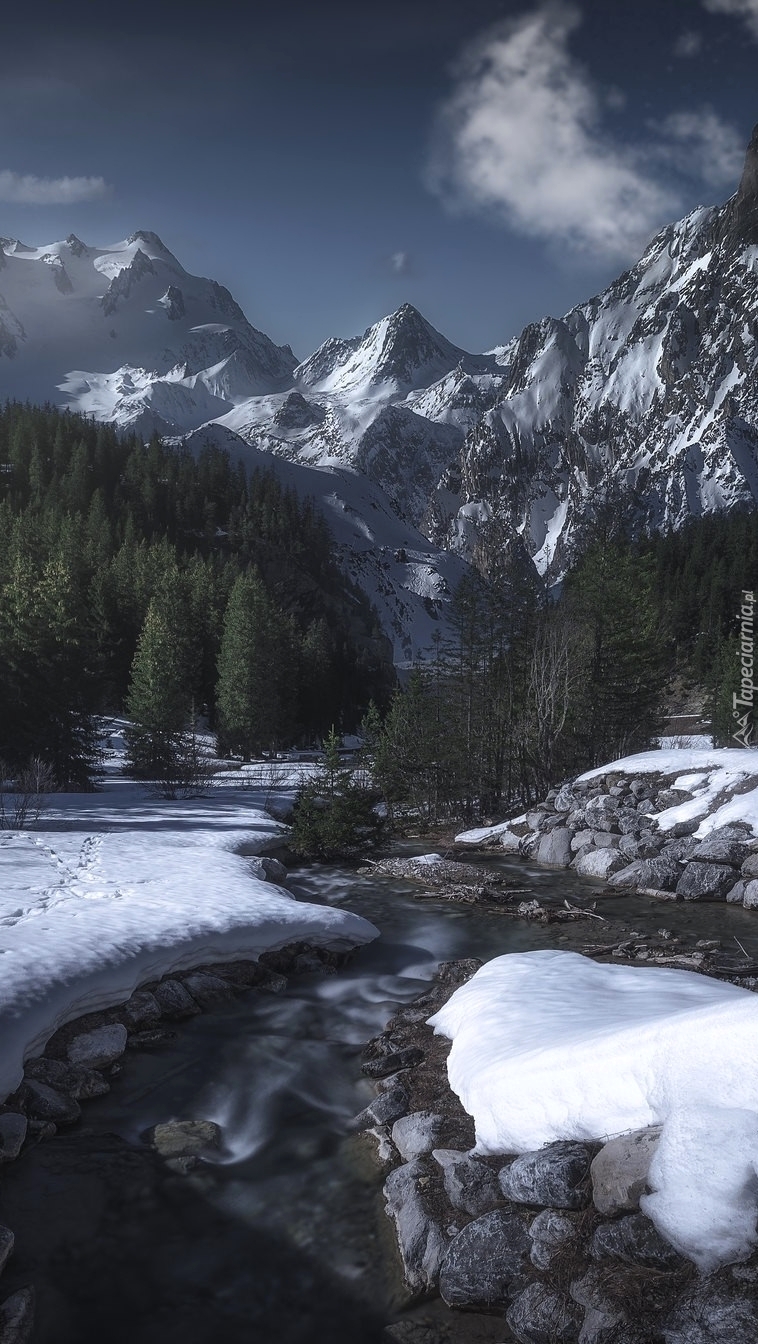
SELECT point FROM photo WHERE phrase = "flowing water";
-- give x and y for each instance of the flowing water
(281, 1075)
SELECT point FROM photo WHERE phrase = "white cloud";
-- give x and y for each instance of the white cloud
(743, 9)
(399, 262)
(524, 138)
(688, 43)
(704, 146)
(26, 189)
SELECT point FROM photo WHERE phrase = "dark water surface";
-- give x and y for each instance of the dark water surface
(282, 1237)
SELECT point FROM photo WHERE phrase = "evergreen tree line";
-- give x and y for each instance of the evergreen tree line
(138, 577)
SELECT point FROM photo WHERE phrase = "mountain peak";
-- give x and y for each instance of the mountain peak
(739, 223)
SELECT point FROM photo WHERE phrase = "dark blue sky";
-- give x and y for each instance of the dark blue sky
(488, 162)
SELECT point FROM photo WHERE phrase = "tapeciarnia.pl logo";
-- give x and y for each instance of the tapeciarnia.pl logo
(745, 699)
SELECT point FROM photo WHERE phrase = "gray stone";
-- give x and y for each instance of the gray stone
(552, 1233)
(750, 895)
(565, 800)
(736, 894)
(207, 988)
(17, 1317)
(599, 863)
(470, 1185)
(550, 1177)
(582, 839)
(394, 1062)
(80, 1083)
(142, 1009)
(487, 1262)
(709, 1312)
(45, 1103)
(13, 1128)
(385, 1154)
(641, 788)
(727, 844)
(750, 866)
(554, 847)
(600, 813)
(680, 849)
(418, 1133)
(599, 1328)
(274, 870)
(672, 798)
(99, 1048)
(409, 1191)
(705, 881)
(636, 1241)
(184, 1138)
(384, 1109)
(174, 1000)
(640, 847)
(604, 840)
(7, 1242)
(629, 821)
(619, 1171)
(540, 1315)
(662, 874)
(681, 828)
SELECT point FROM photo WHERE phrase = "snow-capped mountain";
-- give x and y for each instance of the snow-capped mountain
(124, 333)
(646, 394)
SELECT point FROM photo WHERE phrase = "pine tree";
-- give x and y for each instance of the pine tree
(254, 694)
(334, 815)
(160, 699)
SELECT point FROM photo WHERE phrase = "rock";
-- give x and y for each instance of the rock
(99, 1048)
(727, 844)
(566, 799)
(142, 1009)
(45, 1103)
(680, 849)
(540, 1315)
(604, 840)
(672, 798)
(150, 1040)
(599, 863)
(184, 1138)
(599, 1328)
(410, 1194)
(705, 881)
(421, 1131)
(393, 1062)
(619, 1171)
(750, 866)
(630, 821)
(470, 1185)
(641, 789)
(7, 1242)
(385, 1153)
(736, 894)
(274, 870)
(487, 1262)
(174, 1000)
(554, 847)
(509, 843)
(383, 1110)
(552, 1233)
(582, 839)
(17, 1317)
(80, 1083)
(646, 846)
(681, 828)
(552, 1176)
(636, 1241)
(600, 813)
(662, 873)
(709, 1312)
(207, 988)
(13, 1128)
(750, 895)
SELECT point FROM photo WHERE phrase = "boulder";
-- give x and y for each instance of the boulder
(641, 788)
(662, 873)
(554, 1176)
(274, 871)
(712, 1312)
(552, 1233)
(644, 846)
(599, 1328)
(736, 894)
(636, 1241)
(540, 1315)
(142, 1009)
(99, 1048)
(174, 1000)
(619, 1171)
(184, 1138)
(750, 895)
(81, 1084)
(470, 1185)
(207, 988)
(680, 849)
(681, 828)
(383, 1110)
(413, 1204)
(582, 839)
(487, 1262)
(45, 1103)
(393, 1062)
(600, 812)
(705, 881)
(750, 866)
(604, 840)
(599, 863)
(727, 844)
(13, 1127)
(421, 1131)
(510, 843)
(554, 847)
(7, 1241)
(629, 821)
(17, 1317)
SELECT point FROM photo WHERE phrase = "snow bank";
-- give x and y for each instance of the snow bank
(551, 1045)
(129, 891)
(712, 775)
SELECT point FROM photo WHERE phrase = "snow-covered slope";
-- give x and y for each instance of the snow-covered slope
(124, 333)
(645, 394)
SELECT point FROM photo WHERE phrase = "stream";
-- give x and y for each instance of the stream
(281, 1236)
